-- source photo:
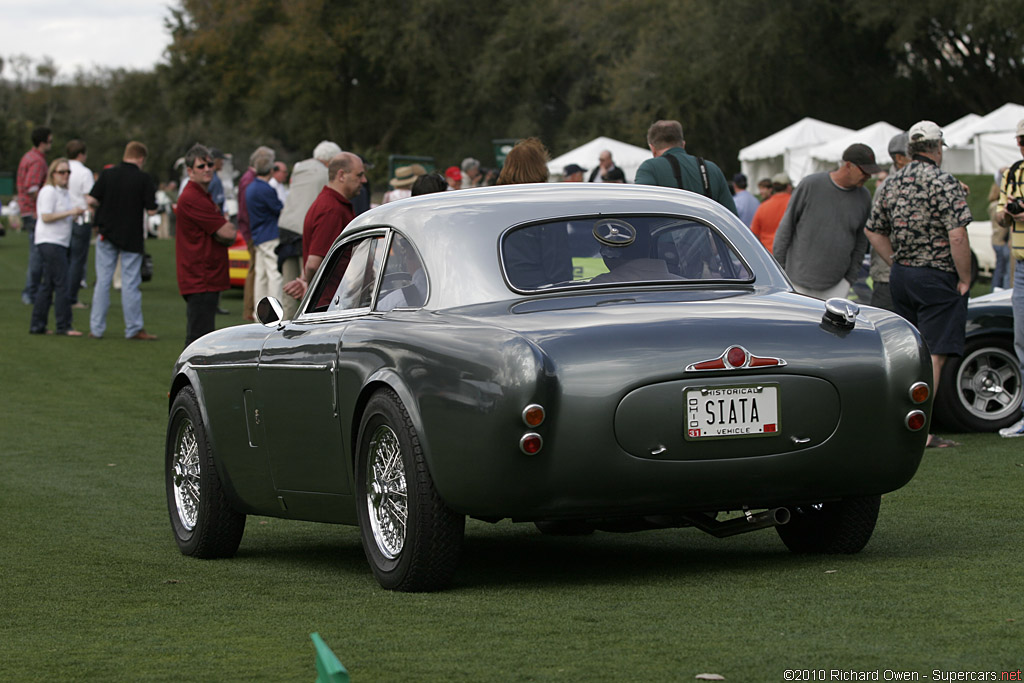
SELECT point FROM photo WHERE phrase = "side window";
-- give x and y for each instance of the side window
(404, 284)
(349, 277)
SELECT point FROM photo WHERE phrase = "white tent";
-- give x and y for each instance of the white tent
(960, 158)
(787, 150)
(991, 137)
(627, 157)
(826, 156)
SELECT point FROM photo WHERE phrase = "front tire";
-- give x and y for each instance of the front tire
(204, 523)
(412, 540)
(840, 527)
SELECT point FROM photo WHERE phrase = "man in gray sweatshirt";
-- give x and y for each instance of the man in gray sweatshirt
(820, 242)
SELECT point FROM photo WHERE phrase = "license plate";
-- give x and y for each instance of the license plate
(731, 412)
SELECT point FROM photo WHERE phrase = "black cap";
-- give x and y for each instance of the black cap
(862, 156)
(573, 168)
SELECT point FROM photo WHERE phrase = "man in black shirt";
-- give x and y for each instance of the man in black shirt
(124, 195)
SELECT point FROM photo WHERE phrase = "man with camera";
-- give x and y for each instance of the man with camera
(1010, 214)
(919, 226)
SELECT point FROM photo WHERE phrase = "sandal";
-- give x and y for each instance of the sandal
(936, 441)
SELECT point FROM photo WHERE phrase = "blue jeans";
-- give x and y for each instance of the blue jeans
(35, 264)
(1002, 274)
(131, 295)
(1018, 310)
(80, 235)
(54, 262)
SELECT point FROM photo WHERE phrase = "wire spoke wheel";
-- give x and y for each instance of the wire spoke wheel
(185, 477)
(412, 540)
(203, 520)
(387, 499)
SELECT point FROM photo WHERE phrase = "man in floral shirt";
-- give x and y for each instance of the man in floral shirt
(919, 226)
(31, 176)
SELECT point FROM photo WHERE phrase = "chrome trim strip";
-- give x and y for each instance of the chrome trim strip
(297, 366)
(223, 366)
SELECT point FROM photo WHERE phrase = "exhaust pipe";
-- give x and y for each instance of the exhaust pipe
(740, 525)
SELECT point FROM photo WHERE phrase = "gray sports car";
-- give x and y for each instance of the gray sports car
(577, 356)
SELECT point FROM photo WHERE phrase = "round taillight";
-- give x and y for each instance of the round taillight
(531, 443)
(919, 392)
(736, 357)
(533, 415)
(915, 420)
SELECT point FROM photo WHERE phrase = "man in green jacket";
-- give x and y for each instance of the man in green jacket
(665, 138)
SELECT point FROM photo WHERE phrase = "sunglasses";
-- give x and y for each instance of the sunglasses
(64, 172)
(200, 167)
(1020, 140)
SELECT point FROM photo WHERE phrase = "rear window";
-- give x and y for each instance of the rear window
(623, 249)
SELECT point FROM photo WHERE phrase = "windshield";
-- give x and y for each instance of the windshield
(621, 249)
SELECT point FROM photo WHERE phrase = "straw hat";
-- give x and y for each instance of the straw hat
(405, 176)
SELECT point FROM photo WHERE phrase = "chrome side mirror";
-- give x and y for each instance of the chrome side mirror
(269, 311)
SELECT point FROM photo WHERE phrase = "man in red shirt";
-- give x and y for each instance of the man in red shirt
(201, 248)
(328, 216)
(31, 177)
(769, 214)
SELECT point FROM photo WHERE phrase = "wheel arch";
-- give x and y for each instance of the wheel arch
(386, 378)
(188, 378)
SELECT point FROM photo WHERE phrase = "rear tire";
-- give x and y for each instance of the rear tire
(839, 527)
(412, 540)
(204, 523)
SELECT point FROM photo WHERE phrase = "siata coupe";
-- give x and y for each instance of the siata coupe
(580, 357)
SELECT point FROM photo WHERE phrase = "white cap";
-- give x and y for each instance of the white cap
(924, 130)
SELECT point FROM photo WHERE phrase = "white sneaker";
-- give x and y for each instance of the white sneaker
(1016, 429)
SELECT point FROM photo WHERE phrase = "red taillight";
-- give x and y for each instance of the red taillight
(533, 415)
(920, 392)
(530, 443)
(915, 420)
(736, 357)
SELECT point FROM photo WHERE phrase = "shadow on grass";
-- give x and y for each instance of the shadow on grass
(517, 555)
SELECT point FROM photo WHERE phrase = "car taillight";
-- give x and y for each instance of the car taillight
(531, 443)
(919, 392)
(533, 415)
(915, 420)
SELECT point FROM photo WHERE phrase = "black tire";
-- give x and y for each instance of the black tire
(204, 523)
(980, 391)
(839, 527)
(564, 527)
(422, 554)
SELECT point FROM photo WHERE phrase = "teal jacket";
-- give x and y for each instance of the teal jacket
(658, 171)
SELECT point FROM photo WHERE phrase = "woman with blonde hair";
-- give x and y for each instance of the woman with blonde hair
(527, 162)
(52, 238)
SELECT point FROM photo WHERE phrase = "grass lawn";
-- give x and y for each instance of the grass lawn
(94, 588)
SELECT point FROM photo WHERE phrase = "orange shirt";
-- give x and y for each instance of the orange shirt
(767, 218)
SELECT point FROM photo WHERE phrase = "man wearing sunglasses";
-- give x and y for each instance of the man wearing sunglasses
(201, 246)
(124, 195)
(1010, 214)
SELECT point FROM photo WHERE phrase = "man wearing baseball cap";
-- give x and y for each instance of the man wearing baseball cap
(1010, 214)
(820, 241)
(919, 227)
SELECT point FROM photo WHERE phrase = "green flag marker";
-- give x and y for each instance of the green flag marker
(328, 667)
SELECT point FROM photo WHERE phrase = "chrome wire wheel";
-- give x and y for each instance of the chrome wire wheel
(185, 477)
(386, 492)
(988, 383)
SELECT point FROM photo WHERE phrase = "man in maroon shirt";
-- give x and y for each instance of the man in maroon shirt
(31, 177)
(201, 247)
(328, 216)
